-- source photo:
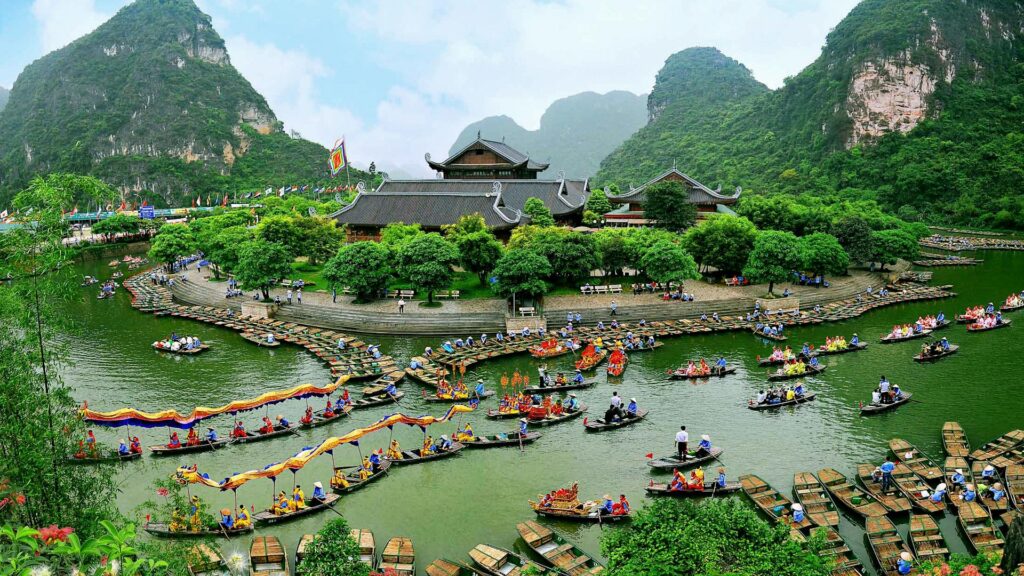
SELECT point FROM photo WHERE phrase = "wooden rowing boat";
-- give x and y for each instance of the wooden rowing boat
(542, 352)
(183, 351)
(300, 552)
(711, 489)
(680, 374)
(954, 440)
(353, 482)
(445, 567)
(380, 384)
(549, 420)
(926, 538)
(398, 556)
(971, 328)
(920, 357)
(890, 339)
(556, 551)
(849, 348)
(797, 400)
(500, 562)
(267, 557)
(979, 528)
(162, 530)
(367, 546)
(591, 361)
(599, 425)
(202, 446)
(877, 408)
(949, 467)
(457, 397)
(1009, 458)
(260, 340)
(844, 563)
(111, 457)
(781, 374)
(312, 506)
(817, 503)
(984, 497)
(617, 363)
(770, 501)
(852, 496)
(498, 440)
(769, 362)
(414, 456)
(763, 334)
(893, 502)
(886, 544)
(1011, 307)
(587, 383)
(205, 560)
(999, 446)
(670, 462)
(378, 400)
(587, 512)
(1015, 486)
(914, 459)
(916, 490)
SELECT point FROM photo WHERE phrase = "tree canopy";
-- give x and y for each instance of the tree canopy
(823, 254)
(364, 267)
(598, 202)
(223, 249)
(668, 206)
(478, 253)
(119, 223)
(172, 242)
(426, 262)
(891, 245)
(333, 552)
(854, 235)
(721, 241)
(466, 224)
(262, 264)
(397, 234)
(521, 271)
(538, 212)
(774, 257)
(319, 237)
(281, 230)
(668, 262)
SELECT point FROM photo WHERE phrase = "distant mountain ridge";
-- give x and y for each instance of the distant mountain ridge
(4, 95)
(575, 132)
(149, 102)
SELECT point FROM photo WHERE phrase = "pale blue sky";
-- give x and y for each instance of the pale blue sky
(401, 78)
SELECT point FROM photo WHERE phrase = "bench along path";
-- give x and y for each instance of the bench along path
(832, 312)
(353, 361)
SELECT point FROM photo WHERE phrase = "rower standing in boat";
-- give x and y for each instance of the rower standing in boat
(887, 468)
(883, 389)
(682, 440)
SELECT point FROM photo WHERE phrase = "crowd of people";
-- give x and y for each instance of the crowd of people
(702, 368)
(770, 330)
(780, 394)
(616, 412)
(696, 480)
(988, 321)
(886, 393)
(935, 348)
(178, 343)
(905, 331)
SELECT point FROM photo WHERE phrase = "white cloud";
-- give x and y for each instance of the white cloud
(62, 21)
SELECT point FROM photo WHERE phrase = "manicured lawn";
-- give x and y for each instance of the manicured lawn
(302, 270)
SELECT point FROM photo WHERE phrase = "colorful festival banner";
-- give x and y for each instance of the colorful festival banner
(190, 475)
(174, 419)
(338, 159)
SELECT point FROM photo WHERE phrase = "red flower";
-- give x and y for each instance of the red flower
(20, 499)
(162, 492)
(970, 570)
(52, 534)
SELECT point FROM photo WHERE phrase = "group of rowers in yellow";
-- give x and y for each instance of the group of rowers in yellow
(284, 505)
(799, 366)
(836, 344)
(696, 481)
(370, 465)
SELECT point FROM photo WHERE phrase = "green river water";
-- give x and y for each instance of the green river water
(449, 506)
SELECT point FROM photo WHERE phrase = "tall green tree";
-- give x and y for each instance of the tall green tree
(538, 212)
(774, 257)
(466, 224)
(364, 267)
(823, 254)
(120, 223)
(333, 552)
(668, 206)
(612, 250)
(714, 537)
(572, 256)
(478, 253)
(320, 237)
(224, 248)
(172, 241)
(668, 262)
(262, 265)
(397, 234)
(854, 235)
(282, 230)
(521, 272)
(598, 202)
(721, 241)
(888, 246)
(427, 261)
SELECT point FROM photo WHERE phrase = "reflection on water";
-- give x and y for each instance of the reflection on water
(449, 506)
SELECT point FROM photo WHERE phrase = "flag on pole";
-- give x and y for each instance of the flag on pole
(338, 159)
(73, 211)
(225, 201)
(123, 205)
(269, 190)
(144, 203)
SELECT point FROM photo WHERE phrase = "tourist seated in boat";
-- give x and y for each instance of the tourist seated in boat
(428, 445)
(270, 338)
(135, 446)
(122, 448)
(762, 397)
(905, 565)
(621, 508)
(298, 498)
(281, 504)
(573, 405)
(968, 494)
(547, 501)
(345, 399)
(211, 434)
(444, 444)
(193, 437)
(958, 480)
(174, 442)
(798, 390)
(691, 369)
(318, 492)
(226, 519)
(307, 418)
(465, 433)
(267, 427)
(329, 409)
(242, 520)
(704, 447)
(561, 380)
(996, 492)
(990, 308)
(339, 480)
(678, 482)
(557, 409)
(696, 479)
(239, 430)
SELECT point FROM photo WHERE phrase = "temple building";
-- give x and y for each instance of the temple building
(485, 177)
(630, 211)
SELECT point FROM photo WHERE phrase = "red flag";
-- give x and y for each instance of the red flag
(74, 210)
(225, 202)
(143, 203)
(123, 205)
(649, 455)
(584, 420)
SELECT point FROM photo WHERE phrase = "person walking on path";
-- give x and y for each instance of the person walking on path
(288, 296)
(401, 305)
(298, 295)
(615, 307)
(682, 440)
(334, 295)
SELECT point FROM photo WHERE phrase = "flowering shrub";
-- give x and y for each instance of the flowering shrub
(960, 565)
(55, 550)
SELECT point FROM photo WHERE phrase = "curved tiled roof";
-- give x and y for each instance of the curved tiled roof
(515, 157)
(430, 210)
(699, 193)
(560, 196)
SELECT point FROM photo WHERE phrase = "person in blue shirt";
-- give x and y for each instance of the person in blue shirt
(959, 482)
(522, 426)
(945, 344)
(500, 336)
(526, 332)
(415, 364)
(469, 341)
(483, 338)
(704, 448)
(997, 492)
(318, 492)
(631, 409)
(940, 318)
(282, 421)
(578, 377)
(459, 343)
(721, 478)
(480, 388)
(341, 344)
(444, 444)
(939, 494)
(226, 519)
(391, 390)
(211, 435)
(969, 495)
(905, 565)
(805, 350)
(798, 391)
(374, 462)
(122, 449)
(814, 362)
(270, 338)
(855, 340)
(991, 308)
(798, 513)
(606, 506)
(989, 472)
(573, 404)
(887, 467)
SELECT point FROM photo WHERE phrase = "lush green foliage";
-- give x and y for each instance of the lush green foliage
(572, 255)
(854, 235)
(667, 206)
(612, 249)
(52, 551)
(262, 264)
(172, 242)
(521, 271)
(364, 267)
(890, 245)
(427, 262)
(397, 234)
(333, 552)
(823, 254)
(478, 253)
(598, 202)
(118, 224)
(318, 237)
(669, 262)
(721, 241)
(712, 538)
(281, 230)
(774, 257)
(538, 212)
(466, 224)
(224, 248)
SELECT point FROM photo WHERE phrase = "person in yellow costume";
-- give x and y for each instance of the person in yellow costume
(339, 479)
(195, 523)
(465, 433)
(177, 522)
(394, 451)
(428, 445)
(242, 519)
(366, 470)
(697, 479)
(790, 395)
(298, 498)
(281, 505)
